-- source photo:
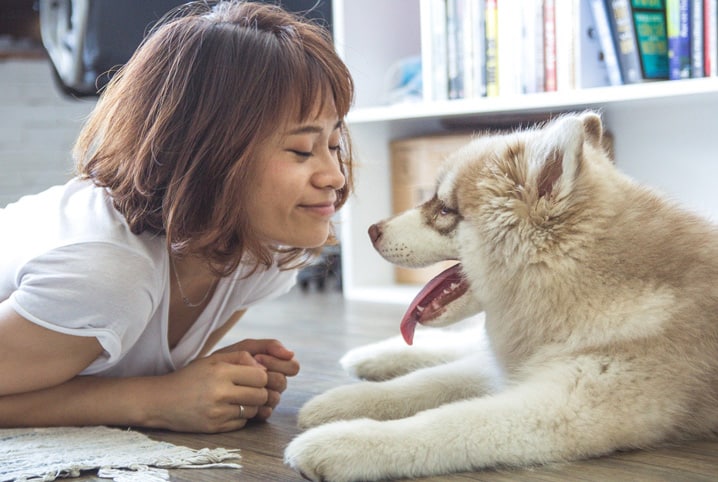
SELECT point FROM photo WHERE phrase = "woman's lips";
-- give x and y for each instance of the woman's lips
(322, 209)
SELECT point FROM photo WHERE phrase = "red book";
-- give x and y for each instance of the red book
(549, 43)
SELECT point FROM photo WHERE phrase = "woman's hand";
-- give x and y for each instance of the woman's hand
(279, 362)
(208, 394)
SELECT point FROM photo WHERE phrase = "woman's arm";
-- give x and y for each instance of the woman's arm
(205, 396)
(33, 357)
(40, 387)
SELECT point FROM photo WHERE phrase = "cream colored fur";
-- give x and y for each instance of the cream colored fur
(599, 329)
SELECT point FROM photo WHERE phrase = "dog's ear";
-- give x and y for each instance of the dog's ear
(563, 151)
(592, 128)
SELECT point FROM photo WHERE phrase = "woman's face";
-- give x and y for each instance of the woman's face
(291, 201)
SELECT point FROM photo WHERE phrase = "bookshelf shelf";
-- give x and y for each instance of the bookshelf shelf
(540, 102)
(664, 131)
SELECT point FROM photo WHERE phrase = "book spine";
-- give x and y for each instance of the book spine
(532, 52)
(427, 47)
(509, 47)
(649, 21)
(697, 30)
(539, 51)
(566, 40)
(492, 51)
(454, 47)
(467, 48)
(439, 49)
(477, 36)
(608, 48)
(710, 37)
(679, 39)
(624, 37)
(549, 40)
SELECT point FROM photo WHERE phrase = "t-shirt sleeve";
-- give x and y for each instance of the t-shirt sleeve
(93, 289)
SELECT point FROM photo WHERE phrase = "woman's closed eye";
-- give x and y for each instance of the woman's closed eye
(305, 154)
(300, 153)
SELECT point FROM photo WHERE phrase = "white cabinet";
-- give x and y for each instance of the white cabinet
(666, 133)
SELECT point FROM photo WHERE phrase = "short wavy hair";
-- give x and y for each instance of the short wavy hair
(174, 133)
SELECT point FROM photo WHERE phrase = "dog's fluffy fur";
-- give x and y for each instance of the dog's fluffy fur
(599, 329)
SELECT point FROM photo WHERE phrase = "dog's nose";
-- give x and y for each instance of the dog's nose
(374, 233)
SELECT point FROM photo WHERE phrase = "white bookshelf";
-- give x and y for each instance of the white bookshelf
(666, 133)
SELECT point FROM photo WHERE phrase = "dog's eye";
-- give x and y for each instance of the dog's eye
(447, 211)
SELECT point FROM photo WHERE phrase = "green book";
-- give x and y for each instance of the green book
(649, 20)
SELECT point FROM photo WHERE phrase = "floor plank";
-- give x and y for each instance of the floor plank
(320, 327)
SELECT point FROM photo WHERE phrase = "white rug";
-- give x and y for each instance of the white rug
(45, 454)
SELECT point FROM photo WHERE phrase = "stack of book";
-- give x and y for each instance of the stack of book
(487, 48)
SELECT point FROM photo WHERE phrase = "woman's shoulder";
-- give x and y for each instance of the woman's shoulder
(76, 215)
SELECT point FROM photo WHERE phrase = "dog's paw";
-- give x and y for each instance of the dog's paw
(378, 361)
(392, 357)
(342, 403)
(342, 452)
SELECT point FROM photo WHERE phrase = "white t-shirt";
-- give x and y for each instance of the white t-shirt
(69, 262)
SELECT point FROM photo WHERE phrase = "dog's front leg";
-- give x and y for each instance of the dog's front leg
(562, 414)
(403, 396)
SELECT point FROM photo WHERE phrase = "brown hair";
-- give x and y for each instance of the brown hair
(173, 135)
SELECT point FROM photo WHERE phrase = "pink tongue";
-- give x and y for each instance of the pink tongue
(432, 299)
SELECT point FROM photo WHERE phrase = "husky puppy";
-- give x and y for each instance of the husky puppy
(599, 329)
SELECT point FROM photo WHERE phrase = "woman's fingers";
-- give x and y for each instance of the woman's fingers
(276, 382)
(287, 367)
(270, 347)
(247, 396)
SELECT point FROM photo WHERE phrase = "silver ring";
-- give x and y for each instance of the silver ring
(241, 411)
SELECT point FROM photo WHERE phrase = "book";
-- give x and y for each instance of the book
(624, 38)
(710, 38)
(491, 23)
(649, 21)
(509, 47)
(697, 31)
(679, 39)
(433, 50)
(565, 19)
(591, 68)
(549, 41)
(605, 39)
(474, 49)
(532, 52)
(455, 48)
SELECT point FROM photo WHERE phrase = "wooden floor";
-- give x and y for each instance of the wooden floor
(320, 328)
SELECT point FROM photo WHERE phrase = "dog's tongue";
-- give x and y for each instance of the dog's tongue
(432, 300)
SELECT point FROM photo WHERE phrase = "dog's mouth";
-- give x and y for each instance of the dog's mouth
(432, 300)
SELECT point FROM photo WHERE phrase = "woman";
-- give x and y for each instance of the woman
(207, 174)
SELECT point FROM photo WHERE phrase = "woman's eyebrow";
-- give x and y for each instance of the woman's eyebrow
(311, 129)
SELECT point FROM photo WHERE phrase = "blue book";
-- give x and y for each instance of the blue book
(678, 17)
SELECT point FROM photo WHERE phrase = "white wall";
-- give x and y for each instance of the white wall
(38, 127)
(671, 146)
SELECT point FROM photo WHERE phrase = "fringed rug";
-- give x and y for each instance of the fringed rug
(45, 454)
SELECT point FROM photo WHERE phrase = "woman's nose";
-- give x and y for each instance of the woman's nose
(330, 175)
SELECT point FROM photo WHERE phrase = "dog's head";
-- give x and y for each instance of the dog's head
(502, 203)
